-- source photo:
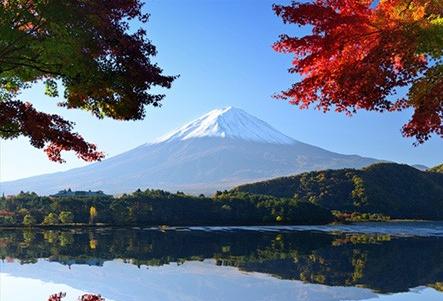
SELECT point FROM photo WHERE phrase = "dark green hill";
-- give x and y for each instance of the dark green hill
(399, 191)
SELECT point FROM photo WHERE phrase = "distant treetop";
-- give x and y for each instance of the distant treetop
(69, 192)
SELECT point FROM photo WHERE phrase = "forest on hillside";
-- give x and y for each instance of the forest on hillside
(395, 190)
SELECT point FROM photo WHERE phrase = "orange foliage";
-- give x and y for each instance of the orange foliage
(358, 55)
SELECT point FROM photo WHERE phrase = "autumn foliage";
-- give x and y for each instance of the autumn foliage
(360, 53)
(86, 297)
(19, 118)
(85, 45)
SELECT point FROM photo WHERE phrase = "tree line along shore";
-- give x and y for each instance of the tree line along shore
(377, 193)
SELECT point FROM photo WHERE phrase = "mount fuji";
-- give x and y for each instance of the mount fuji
(217, 151)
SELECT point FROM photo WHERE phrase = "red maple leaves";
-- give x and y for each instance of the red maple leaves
(89, 297)
(86, 297)
(358, 56)
(45, 130)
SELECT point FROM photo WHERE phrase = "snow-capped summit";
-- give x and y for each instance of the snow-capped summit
(228, 122)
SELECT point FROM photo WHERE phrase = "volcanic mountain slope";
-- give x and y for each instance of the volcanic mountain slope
(221, 149)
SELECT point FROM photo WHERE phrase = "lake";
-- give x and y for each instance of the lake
(398, 261)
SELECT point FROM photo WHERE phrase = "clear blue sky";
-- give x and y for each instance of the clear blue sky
(222, 50)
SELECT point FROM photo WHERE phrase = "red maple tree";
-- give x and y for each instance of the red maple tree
(88, 47)
(360, 52)
(85, 297)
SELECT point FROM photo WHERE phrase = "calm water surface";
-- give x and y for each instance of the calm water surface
(387, 262)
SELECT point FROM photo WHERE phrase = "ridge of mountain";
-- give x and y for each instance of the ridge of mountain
(222, 149)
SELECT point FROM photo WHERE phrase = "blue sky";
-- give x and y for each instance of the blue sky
(222, 51)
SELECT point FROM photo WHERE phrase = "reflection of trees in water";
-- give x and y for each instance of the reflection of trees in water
(380, 262)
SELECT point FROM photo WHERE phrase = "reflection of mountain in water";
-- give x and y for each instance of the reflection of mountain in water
(379, 262)
(196, 281)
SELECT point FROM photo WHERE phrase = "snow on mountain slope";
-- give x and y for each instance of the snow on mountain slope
(217, 151)
(228, 123)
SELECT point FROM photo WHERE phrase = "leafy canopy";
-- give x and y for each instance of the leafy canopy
(87, 46)
(360, 52)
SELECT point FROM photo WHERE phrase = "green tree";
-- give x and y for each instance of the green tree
(66, 217)
(23, 212)
(8, 220)
(89, 47)
(28, 220)
(51, 219)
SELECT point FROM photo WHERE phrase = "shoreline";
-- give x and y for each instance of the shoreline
(173, 227)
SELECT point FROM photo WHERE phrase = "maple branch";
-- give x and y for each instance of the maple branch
(44, 130)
